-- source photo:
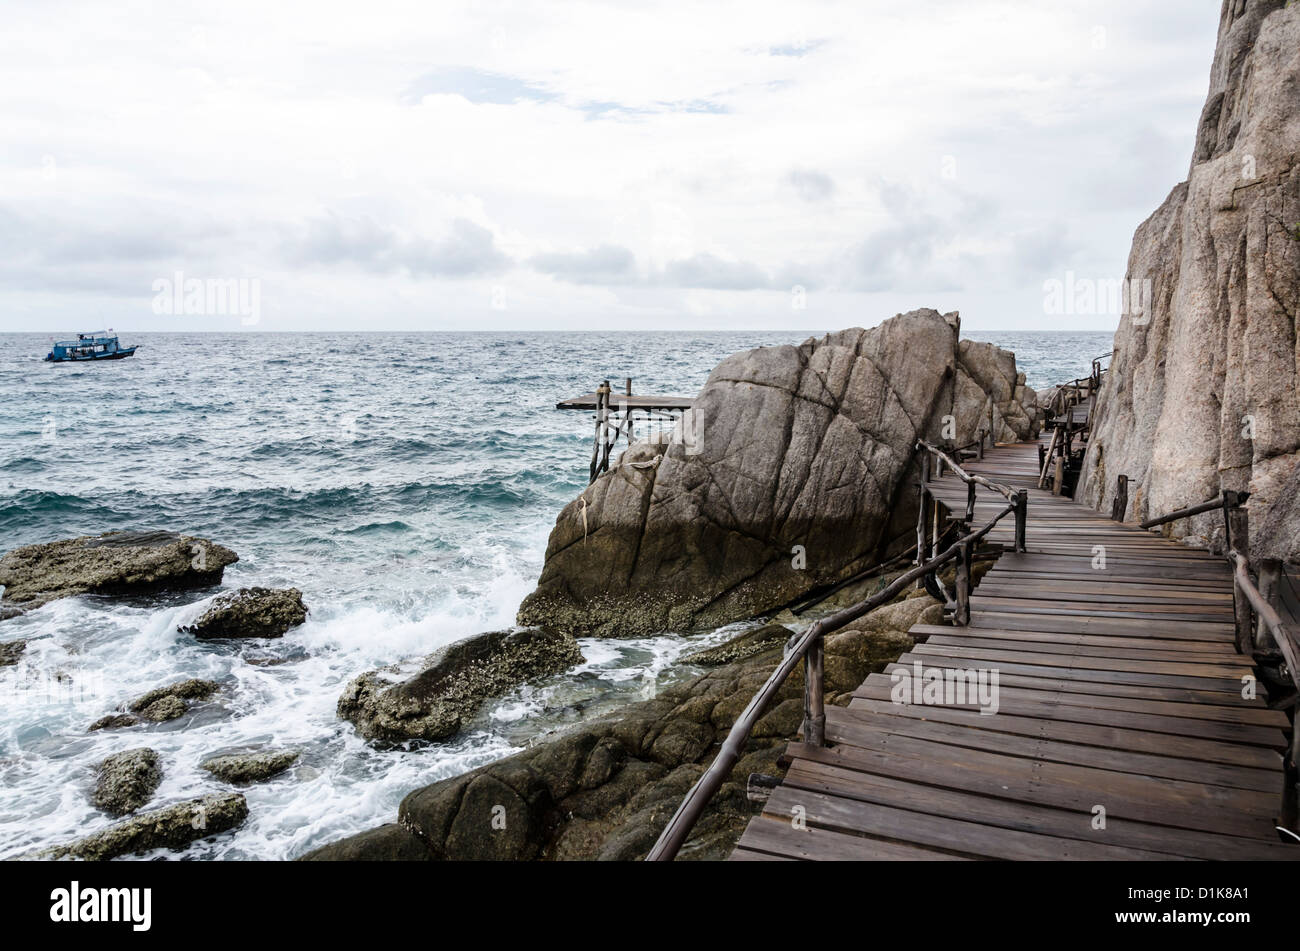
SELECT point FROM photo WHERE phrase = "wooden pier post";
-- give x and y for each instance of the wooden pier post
(1022, 517)
(1270, 578)
(1119, 507)
(1236, 524)
(814, 685)
(961, 612)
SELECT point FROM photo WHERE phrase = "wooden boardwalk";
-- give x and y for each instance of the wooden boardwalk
(1119, 689)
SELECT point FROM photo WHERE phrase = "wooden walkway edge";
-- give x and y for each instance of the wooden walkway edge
(1125, 724)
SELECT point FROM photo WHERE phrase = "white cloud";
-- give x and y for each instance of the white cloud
(402, 164)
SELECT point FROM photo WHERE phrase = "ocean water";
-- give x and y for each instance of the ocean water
(405, 482)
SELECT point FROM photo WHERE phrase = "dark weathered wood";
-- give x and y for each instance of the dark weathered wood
(961, 612)
(1120, 504)
(814, 710)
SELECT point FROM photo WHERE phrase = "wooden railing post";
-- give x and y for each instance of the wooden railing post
(970, 502)
(814, 700)
(1022, 516)
(961, 613)
(1270, 578)
(1236, 524)
(979, 449)
(1119, 507)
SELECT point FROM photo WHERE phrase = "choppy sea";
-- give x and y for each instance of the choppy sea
(405, 482)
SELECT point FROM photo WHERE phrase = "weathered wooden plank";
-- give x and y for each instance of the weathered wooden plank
(778, 837)
(811, 771)
(1187, 805)
(991, 656)
(1060, 751)
(870, 696)
(941, 832)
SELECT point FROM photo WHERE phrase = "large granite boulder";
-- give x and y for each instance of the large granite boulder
(250, 612)
(113, 563)
(1202, 393)
(793, 469)
(991, 396)
(452, 684)
(125, 781)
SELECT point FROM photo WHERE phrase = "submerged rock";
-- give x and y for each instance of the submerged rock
(240, 768)
(250, 612)
(794, 470)
(745, 645)
(1202, 393)
(172, 827)
(192, 689)
(11, 651)
(125, 781)
(113, 563)
(114, 721)
(163, 709)
(432, 704)
(160, 705)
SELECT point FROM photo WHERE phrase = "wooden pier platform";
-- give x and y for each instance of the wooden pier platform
(1121, 730)
(647, 404)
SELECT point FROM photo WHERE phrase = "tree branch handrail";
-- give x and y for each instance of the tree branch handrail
(1283, 635)
(1006, 492)
(798, 648)
(1213, 505)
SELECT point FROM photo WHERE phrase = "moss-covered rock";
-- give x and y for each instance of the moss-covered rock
(112, 563)
(453, 684)
(126, 781)
(172, 827)
(250, 612)
(243, 768)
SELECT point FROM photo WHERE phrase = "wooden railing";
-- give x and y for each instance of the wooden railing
(1261, 631)
(1054, 459)
(809, 647)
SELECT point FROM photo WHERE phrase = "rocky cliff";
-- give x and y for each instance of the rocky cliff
(793, 469)
(1201, 394)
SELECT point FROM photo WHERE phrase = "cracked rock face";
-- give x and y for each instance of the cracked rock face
(800, 473)
(1202, 393)
(251, 612)
(113, 563)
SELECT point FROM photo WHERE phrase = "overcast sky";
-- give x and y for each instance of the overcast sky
(538, 165)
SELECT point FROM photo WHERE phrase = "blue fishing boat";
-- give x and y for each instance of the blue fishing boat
(92, 346)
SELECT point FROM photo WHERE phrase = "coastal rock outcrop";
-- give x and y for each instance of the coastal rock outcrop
(242, 768)
(125, 781)
(793, 469)
(112, 563)
(452, 684)
(605, 789)
(250, 612)
(172, 827)
(1202, 392)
